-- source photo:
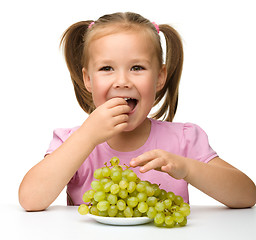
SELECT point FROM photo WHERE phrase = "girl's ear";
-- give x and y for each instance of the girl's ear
(161, 78)
(86, 79)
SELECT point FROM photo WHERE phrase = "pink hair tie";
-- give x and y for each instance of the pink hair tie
(156, 26)
(90, 25)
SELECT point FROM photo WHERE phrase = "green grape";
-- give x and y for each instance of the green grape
(151, 201)
(136, 212)
(162, 195)
(86, 197)
(159, 218)
(104, 180)
(137, 180)
(91, 193)
(128, 212)
(141, 187)
(132, 177)
(123, 193)
(142, 207)
(170, 195)
(169, 221)
(106, 171)
(93, 202)
(167, 203)
(142, 197)
(125, 179)
(184, 204)
(131, 187)
(96, 185)
(99, 196)
(132, 202)
(103, 213)
(94, 210)
(107, 186)
(174, 208)
(112, 211)
(116, 168)
(103, 205)
(83, 209)
(146, 183)
(178, 217)
(184, 222)
(178, 200)
(156, 189)
(167, 213)
(123, 184)
(114, 161)
(114, 189)
(112, 199)
(159, 206)
(120, 214)
(151, 213)
(133, 194)
(98, 173)
(121, 205)
(149, 183)
(126, 172)
(116, 176)
(150, 191)
(185, 211)
(159, 225)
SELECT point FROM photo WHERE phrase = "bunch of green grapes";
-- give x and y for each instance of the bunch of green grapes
(118, 192)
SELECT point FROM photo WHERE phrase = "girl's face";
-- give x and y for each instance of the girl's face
(125, 65)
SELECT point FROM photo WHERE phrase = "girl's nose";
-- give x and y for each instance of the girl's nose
(122, 81)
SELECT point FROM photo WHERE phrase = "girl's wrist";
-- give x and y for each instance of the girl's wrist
(85, 137)
(90, 133)
(191, 166)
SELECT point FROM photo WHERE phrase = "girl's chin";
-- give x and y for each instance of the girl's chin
(129, 128)
(133, 124)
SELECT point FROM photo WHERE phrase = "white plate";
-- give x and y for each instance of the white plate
(121, 221)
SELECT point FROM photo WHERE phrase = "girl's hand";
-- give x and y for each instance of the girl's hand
(174, 165)
(105, 121)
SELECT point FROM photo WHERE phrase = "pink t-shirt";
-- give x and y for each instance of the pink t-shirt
(187, 140)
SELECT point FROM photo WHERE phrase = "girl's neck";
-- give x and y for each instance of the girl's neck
(130, 141)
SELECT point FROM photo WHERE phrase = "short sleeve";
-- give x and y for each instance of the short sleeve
(60, 135)
(195, 143)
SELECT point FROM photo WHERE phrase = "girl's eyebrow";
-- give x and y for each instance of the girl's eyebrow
(108, 61)
(139, 60)
(103, 61)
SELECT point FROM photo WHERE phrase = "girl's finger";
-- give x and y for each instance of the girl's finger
(167, 168)
(156, 164)
(144, 158)
(120, 119)
(115, 102)
(120, 109)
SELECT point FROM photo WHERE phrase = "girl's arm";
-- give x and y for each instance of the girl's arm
(216, 178)
(44, 182)
(223, 182)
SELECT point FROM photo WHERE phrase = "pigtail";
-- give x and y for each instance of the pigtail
(72, 43)
(174, 63)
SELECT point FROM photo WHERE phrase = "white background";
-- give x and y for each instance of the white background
(217, 88)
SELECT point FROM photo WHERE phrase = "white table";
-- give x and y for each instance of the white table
(62, 222)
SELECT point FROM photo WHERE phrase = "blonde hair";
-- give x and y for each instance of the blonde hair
(76, 42)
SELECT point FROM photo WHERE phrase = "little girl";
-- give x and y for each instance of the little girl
(116, 66)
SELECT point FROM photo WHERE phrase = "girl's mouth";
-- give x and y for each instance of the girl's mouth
(132, 103)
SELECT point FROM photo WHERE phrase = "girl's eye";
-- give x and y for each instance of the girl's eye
(137, 68)
(106, 68)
